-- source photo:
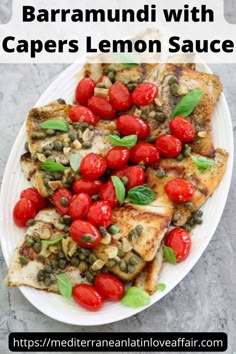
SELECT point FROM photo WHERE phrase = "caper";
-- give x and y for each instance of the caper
(89, 277)
(85, 251)
(151, 139)
(113, 229)
(61, 255)
(111, 263)
(125, 180)
(152, 114)
(92, 258)
(29, 241)
(91, 127)
(57, 175)
(160, 117)
(83, 266)
(54, 264)
(76, 125)
(62, 263)
(160, 172)
(83, 125)
(187, 152)
(198, 220)
(131, 268)
(72, 135)
(133, 260)
(39, 150)
(50, 132)
(61, 101)
(37, 247)
(82, 256)
(67, 219)
(143, 116)
(188, 205)
(48, 268)
(121, 253)
(40, 275)
(47, 281)
(180, 157)
(38, 135)
(112, 75)
(86, 144)
(158, 108)
(58, 145)
(95, 197)
(87, 238)
(131, 86)
(191, 221)
(176, 217)
(198, 213)
(30, 222)
(123, 266)
(64, 201)
(174, 88)
(23, 260)
(41, 259)
(139, 229)
(26, 147)
(36, 236)
(66, 228)
(103, 231)
(172, 80)
(35, 157)
(47, 153)
(74, 261)
(51, 158)
(132, 235)
(187, 227)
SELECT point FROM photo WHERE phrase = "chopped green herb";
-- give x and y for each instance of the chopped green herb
(202, 162)
(187, 104)
(55, 124)
(52, 242)
(119, 188)
(135, 297)
(141, 195)
(64, 285)
(128, 141)
(52, 166)
(161, 286)
(169, 255)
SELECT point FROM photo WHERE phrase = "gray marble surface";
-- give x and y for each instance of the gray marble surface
(204, 301)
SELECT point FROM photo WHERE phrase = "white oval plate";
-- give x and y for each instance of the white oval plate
(67, 311)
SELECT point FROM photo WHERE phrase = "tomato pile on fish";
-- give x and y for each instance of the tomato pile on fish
(118, 180)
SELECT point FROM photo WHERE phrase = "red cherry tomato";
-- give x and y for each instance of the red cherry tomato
(144, 94)
(179, 190)
(144, 152)
(135, 174)
(86, 186)
(182, 129)
(84, 90)
(108, 193)
(23, 211)
(83, 114)
(117, 157)
(180, 242)
(128, 124)
(88, 297)
(79, 228)
(109, 286)
(168, 145)
(102, 107)
(79, 206)
(120, 97)
(101, 79)
(33, 195)
(93, 166)
(100, 213)
(57, 200)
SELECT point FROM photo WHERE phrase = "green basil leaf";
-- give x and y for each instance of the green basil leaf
(64, 285)
(55, 124)
(202, 162)
(128, 141)
(75, 161)
(141, 195)
(169, 255)
(135, 297)
(161, 286)
(129, 65)
(187, 104)
(52, 242)
(52, 166)
(119, 188)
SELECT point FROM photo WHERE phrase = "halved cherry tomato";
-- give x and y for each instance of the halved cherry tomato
(109, 286)
(168, 145)
(33, 195)
(144, 152)
(101, 79)
(182, 129)
(84, 185)
(85, 234)
(107, 192)
(120, 97)
(135, 174)
(79, 206)
(144, 94)
(179, 190)
(93, 166)
(100, 213)
(58, 201)
(117, 157)
(83, 114)
(88, 297)
(84, 90)
(128, 124)
(23, 211)
(102, 107)
(180, 242)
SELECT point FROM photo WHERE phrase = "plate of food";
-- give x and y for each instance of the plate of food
(118, 190)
